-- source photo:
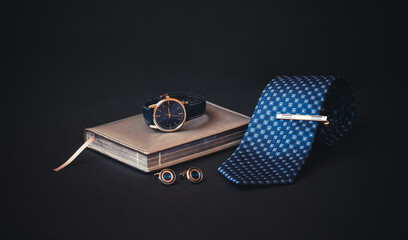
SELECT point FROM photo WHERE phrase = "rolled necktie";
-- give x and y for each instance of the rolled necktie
(291, 113)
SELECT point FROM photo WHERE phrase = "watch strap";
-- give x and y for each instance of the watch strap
(195, 107)
(148, 114)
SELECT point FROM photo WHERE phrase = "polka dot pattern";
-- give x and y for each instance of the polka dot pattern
(273, 151)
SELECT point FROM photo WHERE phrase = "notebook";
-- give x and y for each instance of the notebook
(132, 142)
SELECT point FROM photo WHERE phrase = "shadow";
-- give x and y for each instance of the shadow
(197, 123)
(363, 137)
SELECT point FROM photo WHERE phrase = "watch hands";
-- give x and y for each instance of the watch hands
(169, 115)
(169, 110)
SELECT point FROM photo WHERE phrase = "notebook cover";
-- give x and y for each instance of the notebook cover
(134, 133)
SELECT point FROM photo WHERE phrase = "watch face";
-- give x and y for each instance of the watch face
(169, 115)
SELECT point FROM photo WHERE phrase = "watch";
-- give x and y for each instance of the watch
(171, 111)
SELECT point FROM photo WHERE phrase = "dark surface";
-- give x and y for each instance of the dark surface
(71, 65)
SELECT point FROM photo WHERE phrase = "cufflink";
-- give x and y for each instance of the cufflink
(166, 176)
(194, 175)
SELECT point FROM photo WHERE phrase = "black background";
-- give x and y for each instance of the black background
(68, 65)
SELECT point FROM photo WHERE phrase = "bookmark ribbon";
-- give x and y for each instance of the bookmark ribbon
(75, 155)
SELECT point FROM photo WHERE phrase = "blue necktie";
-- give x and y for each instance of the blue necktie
(273, 150)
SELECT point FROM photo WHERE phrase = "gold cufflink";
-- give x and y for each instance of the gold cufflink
(193, 174)
(166, 176)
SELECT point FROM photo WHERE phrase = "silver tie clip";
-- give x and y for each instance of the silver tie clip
(317, 118)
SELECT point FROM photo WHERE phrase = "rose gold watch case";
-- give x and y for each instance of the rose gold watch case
(155, 106)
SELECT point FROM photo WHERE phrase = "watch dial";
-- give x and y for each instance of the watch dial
(169, 115)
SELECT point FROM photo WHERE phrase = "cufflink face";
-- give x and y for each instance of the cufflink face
(194, 175)
(166, 176)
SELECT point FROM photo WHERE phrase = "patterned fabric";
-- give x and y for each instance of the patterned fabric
(273, 151)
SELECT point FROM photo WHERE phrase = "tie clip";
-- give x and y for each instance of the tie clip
(316, 118)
